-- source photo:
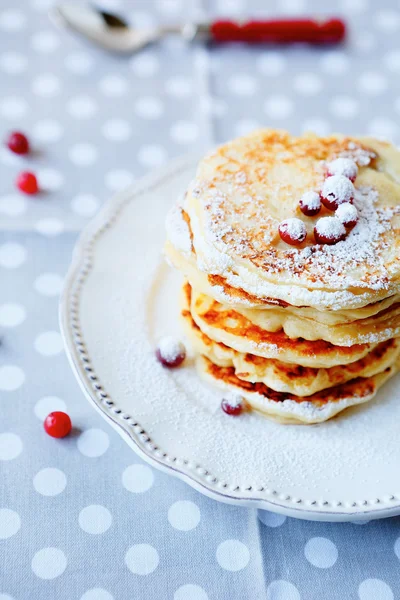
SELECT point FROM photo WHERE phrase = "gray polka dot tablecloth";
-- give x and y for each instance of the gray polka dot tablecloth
(84, 518)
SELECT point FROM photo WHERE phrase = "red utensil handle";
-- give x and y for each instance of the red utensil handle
(280, 31)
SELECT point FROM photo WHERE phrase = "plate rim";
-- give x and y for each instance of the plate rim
(126, 425)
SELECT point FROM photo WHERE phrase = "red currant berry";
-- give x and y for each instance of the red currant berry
(18, 143)
(310, 204)
(343, 166)
(347, 214)
(329, 230)
(57, 424)
(170, 352)
(233, 406)
(336, 190)
(27, 183)
(292, 231)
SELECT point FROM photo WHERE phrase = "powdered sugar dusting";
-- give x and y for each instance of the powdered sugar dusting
(343, 166)
(338, 189)
(330, 227)
(346, 213)
(360, 155)
(294, 229)
(311, 200)
(171, 348)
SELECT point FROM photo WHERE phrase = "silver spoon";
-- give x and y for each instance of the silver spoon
(114, 34)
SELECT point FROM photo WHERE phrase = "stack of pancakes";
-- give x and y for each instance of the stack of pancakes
(300, 332)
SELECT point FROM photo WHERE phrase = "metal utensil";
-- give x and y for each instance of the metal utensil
(113, 33)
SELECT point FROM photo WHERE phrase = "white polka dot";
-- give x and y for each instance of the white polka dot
(13, 107)
(307, 84)
(93, 442)
(282, 590)
(184, 515)
(292, 7)
(278, 107)
(12, 255)
(391, 60)
(42, 4)
(190, 592)
(45, 41)
(372, 83)
(50, 482)
(271, 63)
(316, 125)
(355, 6)
(118, 179)
(184, 132)
(13, 63)
(245, 126)
(149, 107)
(170, 6)
(117, 130)
(144, 64)
(344, 107)
(82, 107)
(12, 315)
(85, 205)
(178, 86)
(382, 127)
(50, 180)
(213, 106)
(49, 284)
(83, 155)
(152, 155)
(47, 131)
(142, 559)
(49, 563)
(79, 63)
(6, 597)
(230, 7)
(10, 444)
(12, 20)
(49, 227)
(375, 589)
(335, 62)
(321, 552)
(10, 523)
(137, 478)
(271, 519)
(11, 378)
(13, 205)
(232, 555)
(48, 404)
(95, 519)
(387, 20)
(113, 85)
(49, 343)
(242, 84)
(96, 594)
(46, 85)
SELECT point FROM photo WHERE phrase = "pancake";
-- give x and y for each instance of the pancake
(245, 188)
(291, 409)
(226, 325)
(286, 377)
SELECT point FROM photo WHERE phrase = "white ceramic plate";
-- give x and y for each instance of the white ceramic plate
(120, 296)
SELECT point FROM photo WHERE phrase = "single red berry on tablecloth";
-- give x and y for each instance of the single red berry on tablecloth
(27, 183)
(347, 214)
(232, 406)
(57, 424)
(310, 204)
(336, 190)
(329, 230)
(170, 352)
(343, 166)
(18, 143)
(292, 231)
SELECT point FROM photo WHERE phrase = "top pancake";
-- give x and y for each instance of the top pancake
(244, 189)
